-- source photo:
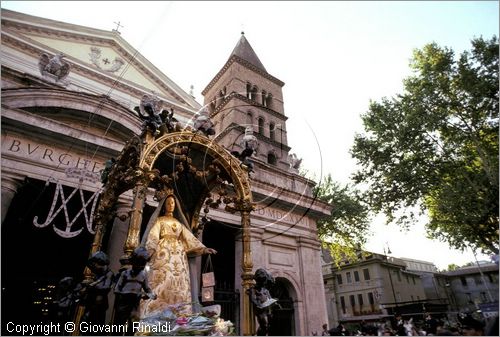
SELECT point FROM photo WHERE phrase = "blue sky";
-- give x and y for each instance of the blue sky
(334, 57)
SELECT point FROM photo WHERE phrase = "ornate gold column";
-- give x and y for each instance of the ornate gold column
(134, 228)
(248, 322)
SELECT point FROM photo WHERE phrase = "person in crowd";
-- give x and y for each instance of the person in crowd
(325, 332)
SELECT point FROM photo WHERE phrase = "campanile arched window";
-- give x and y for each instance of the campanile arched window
(269, 101)
(271, 131)
(250, 119)
(271, 158)
(261, 125)
(253, 93)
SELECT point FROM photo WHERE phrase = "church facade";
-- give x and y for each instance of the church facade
(68, 98)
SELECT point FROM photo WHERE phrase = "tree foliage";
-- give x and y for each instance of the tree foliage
(344, 232)
(436, 146)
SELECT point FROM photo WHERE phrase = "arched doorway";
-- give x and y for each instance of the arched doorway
(35, 259)
(283, 320)
(221, 237)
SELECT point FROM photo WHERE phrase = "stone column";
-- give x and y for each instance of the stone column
(118, 233)
(9, 190)
(117, 239)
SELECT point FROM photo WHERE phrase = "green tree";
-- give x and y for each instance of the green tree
(436, 147)
(344, 232)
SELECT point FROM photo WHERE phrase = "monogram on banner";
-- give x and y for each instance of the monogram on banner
(69, 231)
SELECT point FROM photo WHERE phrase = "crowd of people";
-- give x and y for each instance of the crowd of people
(465, 325)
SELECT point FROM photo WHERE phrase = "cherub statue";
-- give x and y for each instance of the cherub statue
(132, 286)
(249, 143)
(65, 300)
(54, 65)
(294, 161)
(262, 300)
(148, 112)
(169, 123)
(203, 123)
(95, 291)
(106, 170)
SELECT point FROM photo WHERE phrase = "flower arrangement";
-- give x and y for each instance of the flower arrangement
(183, 323)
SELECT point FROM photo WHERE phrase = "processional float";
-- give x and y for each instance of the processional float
(166, 157)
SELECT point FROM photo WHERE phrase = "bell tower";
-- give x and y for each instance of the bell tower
(244, 94)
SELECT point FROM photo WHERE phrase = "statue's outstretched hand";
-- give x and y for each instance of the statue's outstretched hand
(209, 251)
(150, 295)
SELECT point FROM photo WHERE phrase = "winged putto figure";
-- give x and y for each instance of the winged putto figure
(250, 144)
(294, 161)
(203, 123)
(148, 111)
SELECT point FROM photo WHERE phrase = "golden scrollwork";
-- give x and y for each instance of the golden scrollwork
(178, 139)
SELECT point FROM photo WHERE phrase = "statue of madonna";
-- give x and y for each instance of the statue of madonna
(172, 242)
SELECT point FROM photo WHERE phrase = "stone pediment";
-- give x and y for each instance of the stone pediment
(91, 52)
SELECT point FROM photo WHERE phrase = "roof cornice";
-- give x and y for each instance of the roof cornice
(249, 102)
(248, 65)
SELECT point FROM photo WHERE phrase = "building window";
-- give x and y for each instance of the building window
(253, 93)
(360, 300)
(463, 280)
(261, 125)
(492, 278)
(356, 276)
(249, 90)
(412, 297)
(271, 158)
(342, 304)
(250, 119)
(413, 279)
(339, 279)
(269, 101)
(483, 297)
(366, 274)
(399, 275)
(263, 96)
(370, 298)
(222, 94)
(352, 299)
(407, 279)
(348, 277)
(271, 130)
(478, 280)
